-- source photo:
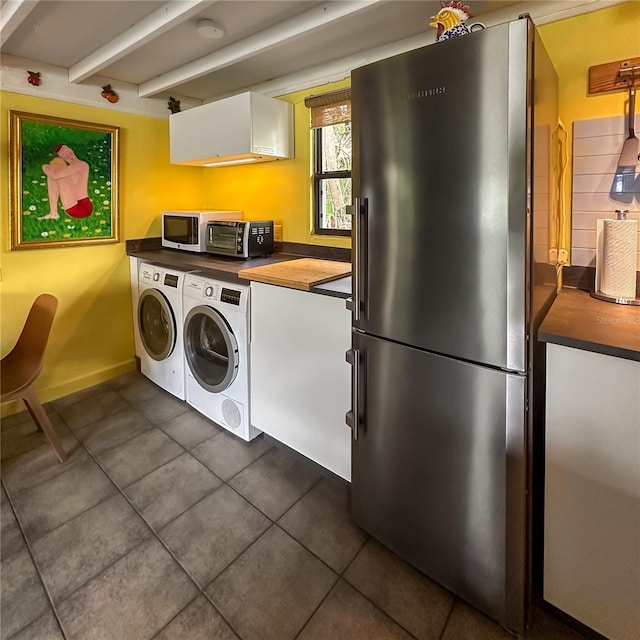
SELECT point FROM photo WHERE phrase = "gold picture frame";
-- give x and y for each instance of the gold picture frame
(64, 182)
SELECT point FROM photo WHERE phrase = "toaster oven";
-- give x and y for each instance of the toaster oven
(240, 238)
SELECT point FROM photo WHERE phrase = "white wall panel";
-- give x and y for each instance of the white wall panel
(599, 188)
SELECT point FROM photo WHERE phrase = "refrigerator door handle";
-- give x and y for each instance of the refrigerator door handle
(359, 222)
(355, 221)
(353, 417)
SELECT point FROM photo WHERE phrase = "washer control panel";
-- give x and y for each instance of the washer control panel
(156, 275)
(221, 294)
(230, 296)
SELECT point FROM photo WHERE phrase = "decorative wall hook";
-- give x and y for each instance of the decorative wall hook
(109, 94)
(173, 105)
(614, 76)
(628, 73)
(34, 78)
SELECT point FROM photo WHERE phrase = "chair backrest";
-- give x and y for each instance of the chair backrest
(28, 352)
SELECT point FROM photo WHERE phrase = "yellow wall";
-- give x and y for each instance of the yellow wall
(279, 190)
(574, 45)
(92, 338)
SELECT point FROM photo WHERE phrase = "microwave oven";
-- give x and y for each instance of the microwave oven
(187, 230)
(240, 238)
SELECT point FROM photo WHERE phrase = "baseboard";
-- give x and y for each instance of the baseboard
(53, 392)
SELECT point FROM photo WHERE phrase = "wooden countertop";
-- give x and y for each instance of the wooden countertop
(578, 320)
(302, 274)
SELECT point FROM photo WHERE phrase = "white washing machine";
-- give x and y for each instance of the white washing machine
(216, 350)
(159, 321)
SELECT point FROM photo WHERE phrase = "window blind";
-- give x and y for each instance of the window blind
(329, 108)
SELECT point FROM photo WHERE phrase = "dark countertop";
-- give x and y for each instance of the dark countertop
(578, 320)
(338, 288)
(222, 268)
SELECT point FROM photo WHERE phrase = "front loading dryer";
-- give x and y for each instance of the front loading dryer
(159, 322)
(216, 351)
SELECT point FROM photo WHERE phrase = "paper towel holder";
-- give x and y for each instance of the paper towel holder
(621, 214)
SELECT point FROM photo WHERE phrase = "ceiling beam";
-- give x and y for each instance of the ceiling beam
(541, 12)
(253, 45)
(12, 14)
(162, 19)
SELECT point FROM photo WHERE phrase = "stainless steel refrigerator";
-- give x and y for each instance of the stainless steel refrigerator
(452, 184)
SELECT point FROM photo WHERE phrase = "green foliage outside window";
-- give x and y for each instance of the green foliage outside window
(332, 178)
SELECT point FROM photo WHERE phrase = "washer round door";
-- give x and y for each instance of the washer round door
(210, 348)
(157, 324)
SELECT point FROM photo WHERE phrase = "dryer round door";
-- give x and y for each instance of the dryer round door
(157, 324)
(210, 348)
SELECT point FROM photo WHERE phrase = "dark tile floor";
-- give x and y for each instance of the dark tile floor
(161, 525)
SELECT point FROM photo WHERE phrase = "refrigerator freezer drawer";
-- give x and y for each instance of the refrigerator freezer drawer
(438, 470)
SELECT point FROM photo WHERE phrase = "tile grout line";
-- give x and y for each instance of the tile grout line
(221, 429)
(38, 572)
(118, 490)
(28, 543)
(157, 633)
(253, 542)
(63, 466)
(152, 530)
(157, 537)
(366, 597)
(210, 599)
(324, 599)
(341, 576)
(154, 533)
(326, 596)
(446, 623)
(202, 590)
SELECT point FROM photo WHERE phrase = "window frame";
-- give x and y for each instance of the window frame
(319, 177)
(326, 109)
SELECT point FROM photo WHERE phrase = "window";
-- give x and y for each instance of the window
(331, 124)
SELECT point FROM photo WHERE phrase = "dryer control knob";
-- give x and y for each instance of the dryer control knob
(208, 292)
(156, 277)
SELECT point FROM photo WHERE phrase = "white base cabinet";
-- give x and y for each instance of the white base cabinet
(300, 380)
(592, 490)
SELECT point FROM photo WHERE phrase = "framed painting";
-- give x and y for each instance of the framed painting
(64, 182)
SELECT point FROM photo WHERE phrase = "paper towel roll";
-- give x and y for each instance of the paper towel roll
(619, 247)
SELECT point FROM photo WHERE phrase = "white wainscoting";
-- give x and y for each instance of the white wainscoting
(596, 149)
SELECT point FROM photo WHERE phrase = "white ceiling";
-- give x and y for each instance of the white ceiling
(155, 45)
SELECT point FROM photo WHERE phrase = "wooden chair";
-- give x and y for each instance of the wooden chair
(20, 368)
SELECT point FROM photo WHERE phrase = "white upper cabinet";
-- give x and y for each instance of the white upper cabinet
(245, 128)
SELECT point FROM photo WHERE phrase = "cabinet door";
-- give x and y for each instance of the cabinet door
(300, 380)
(592, 490)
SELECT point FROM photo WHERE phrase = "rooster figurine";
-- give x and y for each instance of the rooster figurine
(450, 21)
